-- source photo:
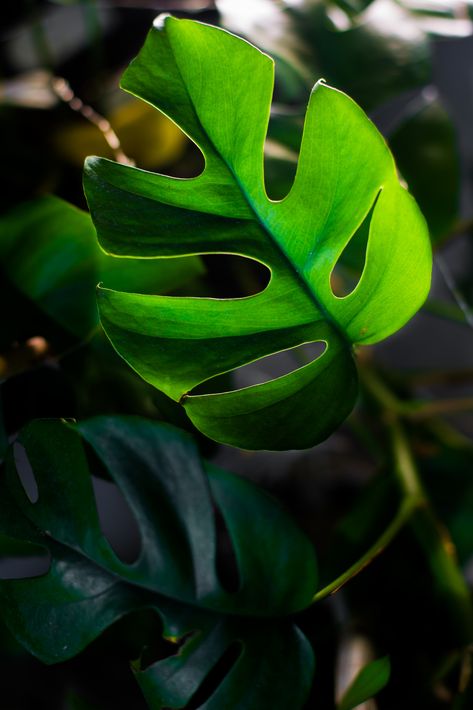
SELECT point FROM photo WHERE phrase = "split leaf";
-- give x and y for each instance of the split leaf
(171, 493)
(218, 89)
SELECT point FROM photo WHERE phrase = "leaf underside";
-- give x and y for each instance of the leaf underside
(218, 89)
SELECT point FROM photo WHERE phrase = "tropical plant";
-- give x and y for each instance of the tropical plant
(295, 242)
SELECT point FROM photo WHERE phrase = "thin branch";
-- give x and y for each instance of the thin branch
(431, 534)
(416, 509)
(425, 410)
(407, 508)
(64, 92)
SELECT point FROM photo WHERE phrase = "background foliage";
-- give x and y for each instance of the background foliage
(386, 502)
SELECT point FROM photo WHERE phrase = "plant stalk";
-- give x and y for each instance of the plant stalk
(416, 509)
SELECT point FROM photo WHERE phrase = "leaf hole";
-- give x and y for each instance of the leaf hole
(141, 632)
(214, 678)
(348, 270)
(117, 521)
(226, 561)
(281, 151)
(232, 276)
(25, 566)
(191, 163)
(25, 472)
(268, 368)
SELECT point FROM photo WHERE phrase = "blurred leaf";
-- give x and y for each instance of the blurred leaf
(369, 681)
(372, 50)
(425, 149)
(447, 477)
(49, 252)
(171, 493)
(269, 26)
(378, 54)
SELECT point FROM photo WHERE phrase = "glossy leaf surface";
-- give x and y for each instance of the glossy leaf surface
(218, 89)
(171, 493)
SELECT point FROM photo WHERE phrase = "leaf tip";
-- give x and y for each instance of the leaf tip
(320, 82)
(159, 22)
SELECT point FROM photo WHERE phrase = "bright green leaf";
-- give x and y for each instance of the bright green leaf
(369, 681)
(171, 493)
(218, 89)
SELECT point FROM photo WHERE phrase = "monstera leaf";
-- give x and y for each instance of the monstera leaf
(172, 494)
(218, 88)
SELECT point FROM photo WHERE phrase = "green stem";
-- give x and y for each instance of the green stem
(439, 549)
(413, 409)
(407, 508)
(405, 468)
(447, 311)
(431, 535)
(415, 509)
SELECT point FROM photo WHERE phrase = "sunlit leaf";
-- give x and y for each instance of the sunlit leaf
(218, 89)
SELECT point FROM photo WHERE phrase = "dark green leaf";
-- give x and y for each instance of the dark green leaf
(273, 668)
(88, 587)
(49, 251)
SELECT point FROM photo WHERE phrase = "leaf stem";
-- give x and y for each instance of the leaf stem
(406, 509)
(416, 509)
(413, 409)
(431, 534)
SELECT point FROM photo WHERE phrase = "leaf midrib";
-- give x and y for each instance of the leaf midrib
(305, 285)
